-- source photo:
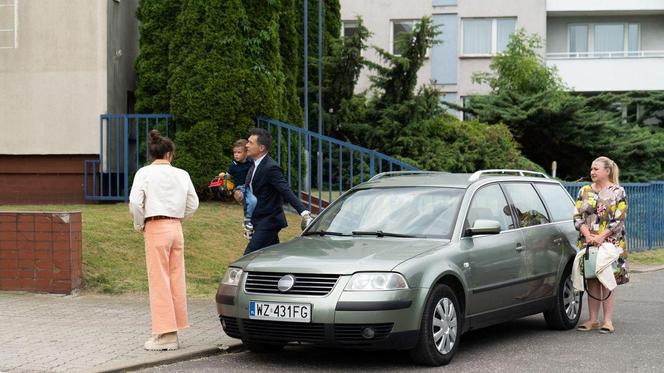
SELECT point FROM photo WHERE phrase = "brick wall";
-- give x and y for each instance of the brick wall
(40, 251)
(41, 179)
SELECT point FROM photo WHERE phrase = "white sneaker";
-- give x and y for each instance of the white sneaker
(159, 343)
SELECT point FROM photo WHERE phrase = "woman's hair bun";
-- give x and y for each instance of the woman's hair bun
(155, 136)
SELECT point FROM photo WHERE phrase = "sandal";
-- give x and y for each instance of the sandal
(588, 326)
(607, 328)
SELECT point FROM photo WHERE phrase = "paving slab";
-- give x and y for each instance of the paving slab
(96, 333)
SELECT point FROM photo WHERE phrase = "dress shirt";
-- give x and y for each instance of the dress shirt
(161, 189)
(256, 163)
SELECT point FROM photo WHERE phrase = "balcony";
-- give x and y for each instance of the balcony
(610, 71)
(604, 7)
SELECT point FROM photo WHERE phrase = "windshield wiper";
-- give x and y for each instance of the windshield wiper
(323, 233)
(380, 233)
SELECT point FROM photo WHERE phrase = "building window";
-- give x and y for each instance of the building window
(486, 36)
(399, 27)
(8, 24)
(604, 39)
(578, 39)
(349, 28)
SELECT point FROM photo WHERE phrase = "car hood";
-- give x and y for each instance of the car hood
(338, 255)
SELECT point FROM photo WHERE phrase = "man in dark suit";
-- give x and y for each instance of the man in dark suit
(268, 184)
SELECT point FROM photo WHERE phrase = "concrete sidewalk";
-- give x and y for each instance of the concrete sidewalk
(92, 333)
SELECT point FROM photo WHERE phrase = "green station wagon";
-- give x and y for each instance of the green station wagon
(411, 261)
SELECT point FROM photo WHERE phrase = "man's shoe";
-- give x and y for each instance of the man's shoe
(162, 343)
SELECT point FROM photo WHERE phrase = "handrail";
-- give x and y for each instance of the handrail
(332, 140)
(478, 174)
(606, 54)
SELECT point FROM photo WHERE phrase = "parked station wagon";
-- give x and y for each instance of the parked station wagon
(411, 261)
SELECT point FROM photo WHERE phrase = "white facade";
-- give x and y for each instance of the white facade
(69, 62)
(378, 16)
(637, 66)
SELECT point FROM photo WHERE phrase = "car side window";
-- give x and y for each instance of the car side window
(489, 203)
(527, 204)
(557, 200)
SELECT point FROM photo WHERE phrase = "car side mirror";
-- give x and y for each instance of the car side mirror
(484, 226)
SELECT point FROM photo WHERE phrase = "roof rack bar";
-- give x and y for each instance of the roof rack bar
(478, 174)
(401, 173)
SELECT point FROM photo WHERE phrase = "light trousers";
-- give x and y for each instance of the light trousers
(164, 256)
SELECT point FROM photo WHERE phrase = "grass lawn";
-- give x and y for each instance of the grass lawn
(114, 256)
(649, 257)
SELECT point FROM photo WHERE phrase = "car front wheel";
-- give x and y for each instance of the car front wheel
(440, 328)
(565, 313)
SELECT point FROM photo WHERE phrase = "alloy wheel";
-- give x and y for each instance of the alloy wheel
(444, 326)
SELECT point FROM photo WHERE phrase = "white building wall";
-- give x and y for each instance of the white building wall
(530, 14)
(53, 85)
(377, 16)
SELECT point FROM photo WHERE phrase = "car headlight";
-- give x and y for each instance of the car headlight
(232, 276)
(369, 281)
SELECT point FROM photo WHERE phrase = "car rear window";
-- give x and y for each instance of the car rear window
(557, 200)
(527, 204)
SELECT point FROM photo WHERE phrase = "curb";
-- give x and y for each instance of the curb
(646, 269)
(189, 355)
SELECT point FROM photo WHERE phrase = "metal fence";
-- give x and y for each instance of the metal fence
(645, 213)
(123, 149)
(323, 167)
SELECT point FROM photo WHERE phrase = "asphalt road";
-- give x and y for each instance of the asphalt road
(524, 345)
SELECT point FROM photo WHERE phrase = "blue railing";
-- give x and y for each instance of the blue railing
(123, 149)
(323, 167)
(645, 214)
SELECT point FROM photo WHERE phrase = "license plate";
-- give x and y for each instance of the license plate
(295, 312)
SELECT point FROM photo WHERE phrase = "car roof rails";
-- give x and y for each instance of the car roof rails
(402, 173)
(480, 173)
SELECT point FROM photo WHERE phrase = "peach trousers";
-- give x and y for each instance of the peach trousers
(164, 256)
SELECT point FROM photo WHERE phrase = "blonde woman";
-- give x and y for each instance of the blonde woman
(161, 196)
(599, 216)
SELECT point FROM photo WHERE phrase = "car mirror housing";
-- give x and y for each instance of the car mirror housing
(482, 226)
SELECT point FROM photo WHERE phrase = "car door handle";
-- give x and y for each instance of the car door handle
(519, 247)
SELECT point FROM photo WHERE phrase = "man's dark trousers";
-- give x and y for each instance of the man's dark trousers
(261, 239)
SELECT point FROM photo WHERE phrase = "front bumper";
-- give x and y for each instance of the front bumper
(330, 335)
(337, 319)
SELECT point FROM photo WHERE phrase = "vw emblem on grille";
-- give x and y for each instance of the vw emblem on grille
(286, 283)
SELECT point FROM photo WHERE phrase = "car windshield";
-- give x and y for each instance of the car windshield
(397, 212)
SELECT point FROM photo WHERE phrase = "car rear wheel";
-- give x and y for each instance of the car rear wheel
(440, 328)
(565, 313)
(263, 347)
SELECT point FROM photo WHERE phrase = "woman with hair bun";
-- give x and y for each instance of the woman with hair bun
(161, 197)
(599, 216)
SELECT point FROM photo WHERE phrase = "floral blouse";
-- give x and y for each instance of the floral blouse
(606, 209)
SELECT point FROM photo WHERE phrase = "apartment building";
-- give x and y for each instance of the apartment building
(62, 64)
(596, 45)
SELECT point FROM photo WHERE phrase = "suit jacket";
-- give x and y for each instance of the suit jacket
(271, 189)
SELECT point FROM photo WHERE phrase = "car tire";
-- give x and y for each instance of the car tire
(565, 313)
(440, 328)
(263, 348)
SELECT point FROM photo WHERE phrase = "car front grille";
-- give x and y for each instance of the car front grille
(284, 331)
(352, 333)
(305, 284)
